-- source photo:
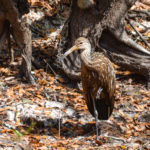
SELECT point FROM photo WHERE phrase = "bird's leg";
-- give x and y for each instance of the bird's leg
(95, 111)
(11, 51)
(96, 118)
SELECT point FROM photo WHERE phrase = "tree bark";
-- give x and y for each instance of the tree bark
(11, 12)
(103, 25)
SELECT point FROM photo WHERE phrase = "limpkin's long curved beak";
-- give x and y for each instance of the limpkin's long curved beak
(72, 49)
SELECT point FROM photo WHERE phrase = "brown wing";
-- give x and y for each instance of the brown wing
(99, 84)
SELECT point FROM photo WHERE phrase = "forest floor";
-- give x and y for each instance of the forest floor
(53, 114)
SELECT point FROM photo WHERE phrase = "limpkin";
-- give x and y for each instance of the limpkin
(98, 80)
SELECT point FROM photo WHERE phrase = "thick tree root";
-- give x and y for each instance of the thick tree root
(126, 53)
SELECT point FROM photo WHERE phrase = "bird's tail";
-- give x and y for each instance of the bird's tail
(104, 110)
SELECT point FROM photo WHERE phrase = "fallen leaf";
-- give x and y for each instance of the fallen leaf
(140, 128)
(6, 130)
(123, 147)
(52, 30)
(99, 142)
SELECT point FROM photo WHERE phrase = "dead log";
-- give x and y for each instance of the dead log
(103, 24)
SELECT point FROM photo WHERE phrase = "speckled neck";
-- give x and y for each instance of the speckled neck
(86, 55)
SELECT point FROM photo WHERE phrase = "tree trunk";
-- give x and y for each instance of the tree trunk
(103, 24)
(11, 12)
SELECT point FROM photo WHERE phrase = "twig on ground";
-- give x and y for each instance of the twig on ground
(138, 13)
(46, 95)
(15, 112)
(138, 33)
(50, 68)
(146, 144)
(59, 123)
(115, 138)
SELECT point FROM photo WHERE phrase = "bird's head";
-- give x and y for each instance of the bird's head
(80, 44)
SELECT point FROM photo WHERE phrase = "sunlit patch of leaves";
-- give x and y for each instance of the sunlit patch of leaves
(130, 119)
